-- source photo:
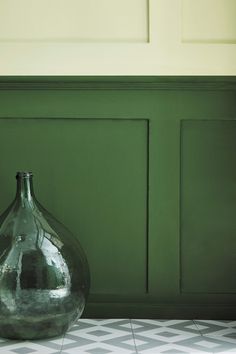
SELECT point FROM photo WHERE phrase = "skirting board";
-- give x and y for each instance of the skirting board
(164, 311)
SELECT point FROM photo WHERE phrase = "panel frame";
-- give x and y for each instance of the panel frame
(146, 216)
(181, 290)
(165, 53)
(215, 40)
(167, 287)
(76, 39)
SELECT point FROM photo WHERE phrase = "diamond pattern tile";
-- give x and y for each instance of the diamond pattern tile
(136, 336)
(100, 336)
(23, 350)
(224, 329)
(52, 346)
(165, 336)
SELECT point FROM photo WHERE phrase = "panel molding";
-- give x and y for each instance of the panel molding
(209, 22)
(181, 290)
(146, 214)
(153, 46)
(193, 83)
(74, 21)
(159, 310)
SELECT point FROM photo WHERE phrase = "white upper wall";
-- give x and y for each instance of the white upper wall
(118, 37)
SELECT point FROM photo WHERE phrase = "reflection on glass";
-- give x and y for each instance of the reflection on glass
(44, 274)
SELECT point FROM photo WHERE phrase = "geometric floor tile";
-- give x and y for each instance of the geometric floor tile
(100, 336)
(164, 336)
(135, 336)
(178, 336)
(223, 329)
(49, 346)
(177, 327)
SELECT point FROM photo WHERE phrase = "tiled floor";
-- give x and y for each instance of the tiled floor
(120, 336)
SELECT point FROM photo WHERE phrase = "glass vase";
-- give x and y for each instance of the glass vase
(44, 273)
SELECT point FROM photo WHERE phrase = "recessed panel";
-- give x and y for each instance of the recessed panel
(91, 175)
(208, 207)
(209, 21)
(74, 20)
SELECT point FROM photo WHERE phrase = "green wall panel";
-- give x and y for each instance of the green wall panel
(208, 202)
(91, 174)
(142, 170)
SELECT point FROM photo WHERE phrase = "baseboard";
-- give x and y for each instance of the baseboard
(165, 311)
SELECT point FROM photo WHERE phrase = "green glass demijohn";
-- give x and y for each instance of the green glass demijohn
(44, 274)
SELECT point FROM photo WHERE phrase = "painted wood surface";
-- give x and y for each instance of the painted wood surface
(142, 170)
(118, 37)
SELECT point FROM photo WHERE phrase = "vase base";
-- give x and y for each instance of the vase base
(38, 314)
(38, 328)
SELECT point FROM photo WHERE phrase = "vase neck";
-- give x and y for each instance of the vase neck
(24, 190)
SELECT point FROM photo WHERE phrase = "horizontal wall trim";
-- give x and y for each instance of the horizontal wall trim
(203, 83)
(164, 311)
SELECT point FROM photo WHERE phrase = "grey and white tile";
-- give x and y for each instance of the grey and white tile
(100, 336)
(207, 345)
(166, 336)
(137, 336)
(49, 346)
(182, 336)
(219, 328)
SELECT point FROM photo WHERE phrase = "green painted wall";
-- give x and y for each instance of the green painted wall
(143, 172)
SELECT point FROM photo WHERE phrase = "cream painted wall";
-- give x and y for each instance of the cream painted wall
(117, 37)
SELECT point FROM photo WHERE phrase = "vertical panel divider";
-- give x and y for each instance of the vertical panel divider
(147, 211)
(180, 206)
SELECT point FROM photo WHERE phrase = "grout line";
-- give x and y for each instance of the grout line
(62, 343)
(132, 331)
(198, 328)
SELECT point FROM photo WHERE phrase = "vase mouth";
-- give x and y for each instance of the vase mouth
(23, 174)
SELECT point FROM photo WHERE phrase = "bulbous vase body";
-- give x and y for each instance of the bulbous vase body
(44, 274)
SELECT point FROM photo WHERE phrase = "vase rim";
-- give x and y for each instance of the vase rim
(24, 174)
